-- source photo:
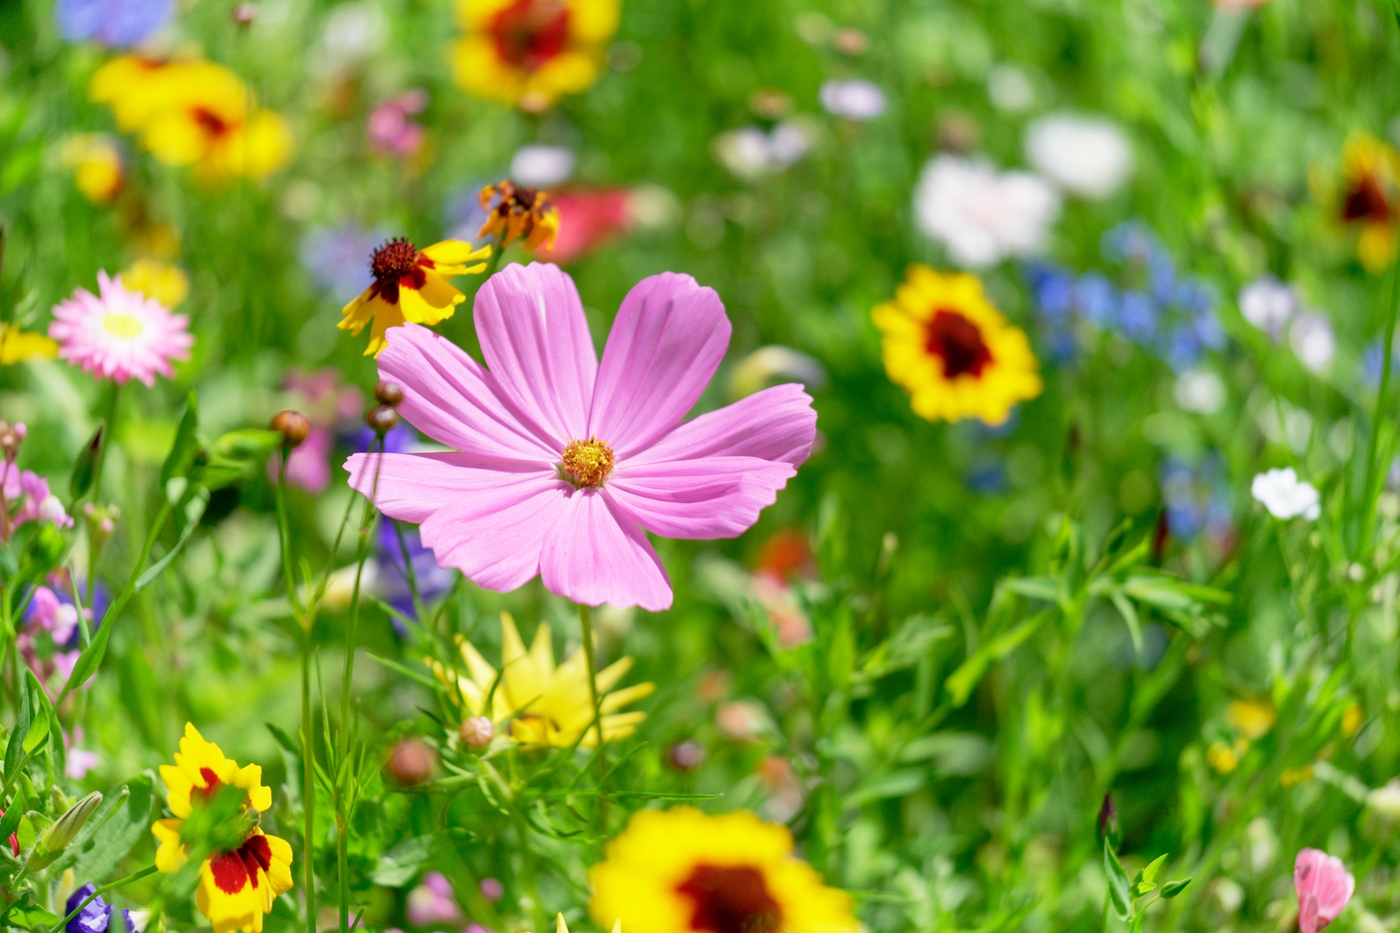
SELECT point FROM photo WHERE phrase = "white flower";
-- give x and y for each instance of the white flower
(1312, 339)
(854, 100)
(981, 215)
(1268, 304)
(1009, 89)
(1386, 800)
(541, 166)
(1087, 156)
(751, 153)
(1201, 391)
(1285, 495)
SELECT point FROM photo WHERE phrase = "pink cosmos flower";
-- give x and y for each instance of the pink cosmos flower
(120, 335)
(1324, 887)
(564, 463)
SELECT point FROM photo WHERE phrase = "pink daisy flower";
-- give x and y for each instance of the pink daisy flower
(120, 335)
(564, 463)
(1324, 887)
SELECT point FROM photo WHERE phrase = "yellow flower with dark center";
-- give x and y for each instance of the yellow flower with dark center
(1370, 198)
(545, 705)
(193, 113)
(957, 357)
(516, 212)
(236, 887)
(529, 52)
(681, 871)
(16, 346)
(410, 285)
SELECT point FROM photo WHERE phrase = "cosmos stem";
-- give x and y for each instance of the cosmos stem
(109, 423)
(585, 619)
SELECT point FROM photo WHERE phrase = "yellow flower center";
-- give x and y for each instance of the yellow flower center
(121, 325)
(587, 463)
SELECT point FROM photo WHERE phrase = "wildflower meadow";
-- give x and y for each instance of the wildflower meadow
(699, 466)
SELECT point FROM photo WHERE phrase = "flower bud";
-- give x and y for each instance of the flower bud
(411, 762)
(381, 419)
(292, 425)
(244, 14)
(388, 392)
(477, 731)
(62, 832)
(686, 756)
(11, 436)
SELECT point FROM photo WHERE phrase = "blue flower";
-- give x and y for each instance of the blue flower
(1137, 316)
(1184, 348)
(1096, 299)
(987, 478)
(1053, 289)
(116, 23)
(338, 258)
(432, 580)
(94, 918)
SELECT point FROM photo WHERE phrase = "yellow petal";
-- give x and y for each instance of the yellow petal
(455, 253)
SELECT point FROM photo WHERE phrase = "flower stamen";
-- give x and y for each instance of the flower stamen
(586, 463)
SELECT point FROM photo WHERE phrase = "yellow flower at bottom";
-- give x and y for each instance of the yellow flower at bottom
(165, 283)
(16, 346)
(236, 887)
(410, 285)
(681, 871)
(947, 345)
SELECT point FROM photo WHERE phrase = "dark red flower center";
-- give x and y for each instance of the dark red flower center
(211, 783)
(958, 342)
(730, 899)
(396, 263)
(234, 870)
(528, 33)
(1366, 201)
(209, 121)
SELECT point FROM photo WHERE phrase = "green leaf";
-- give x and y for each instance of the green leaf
(1172, 888)
(190, 508)
(14, 751)
(29, 916)
(85, 469)
(92, 655)
(1150, 872)
(123, 820)
(962, 681)
(244, 444)
(900, 783)
(186, 445)
(399, 865)
(13, 815)
(43, 712)
(1118, 887)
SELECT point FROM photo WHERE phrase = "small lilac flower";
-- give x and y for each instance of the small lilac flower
(392, 583)
(1137, 316)
(94, 918)
(854, 100)
(1324, 887)
(79, 761)
(433, 902)
(113, 23)
(1053, 289)
(1312, 339)
(492, 889)
(337, 258)
(1096, 299)
(1269, 305)
(391, 128)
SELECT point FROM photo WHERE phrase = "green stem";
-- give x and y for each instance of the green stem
(585, 619)
(121, 882)
(1373, 465)
(410, 576)
(109, 424)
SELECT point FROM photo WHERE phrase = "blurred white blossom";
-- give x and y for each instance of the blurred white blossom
(541, 166)
(1285, 495)
(854, 100)
(1312, 340)
(1088, 156)
(1010, 89)
(981, 215)
(751, 153)
(1269, 305)
(1200, 391)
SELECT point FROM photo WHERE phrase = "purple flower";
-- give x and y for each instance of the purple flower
(94, 918)
(338, 258)
(115, 23)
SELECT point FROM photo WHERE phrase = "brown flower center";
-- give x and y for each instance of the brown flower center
(528, 33)
(587, 463)
(396, 263)
(210, 122)
(730, 899)
(955, 340)
(1366, 201)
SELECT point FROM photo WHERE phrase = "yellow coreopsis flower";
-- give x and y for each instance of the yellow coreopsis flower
(530, 52)
(947, 345)
(194, 113)
(16, 346)
(1370, 198)
(682, 871)
(545, 705)
(165, 283)
(410, 285)
(236, 887)
(516, 212)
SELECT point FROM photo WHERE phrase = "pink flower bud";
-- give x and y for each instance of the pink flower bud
(1324, 888)
(477, 731)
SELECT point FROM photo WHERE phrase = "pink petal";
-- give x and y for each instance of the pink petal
(775, 424)
(450, 398)
(535, 340)
(1324, 886)
(412, 487)
(1308, 921)
(717, 497)
(667, 341)
(596, 554)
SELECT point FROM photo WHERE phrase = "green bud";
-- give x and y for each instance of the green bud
(61, 833)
